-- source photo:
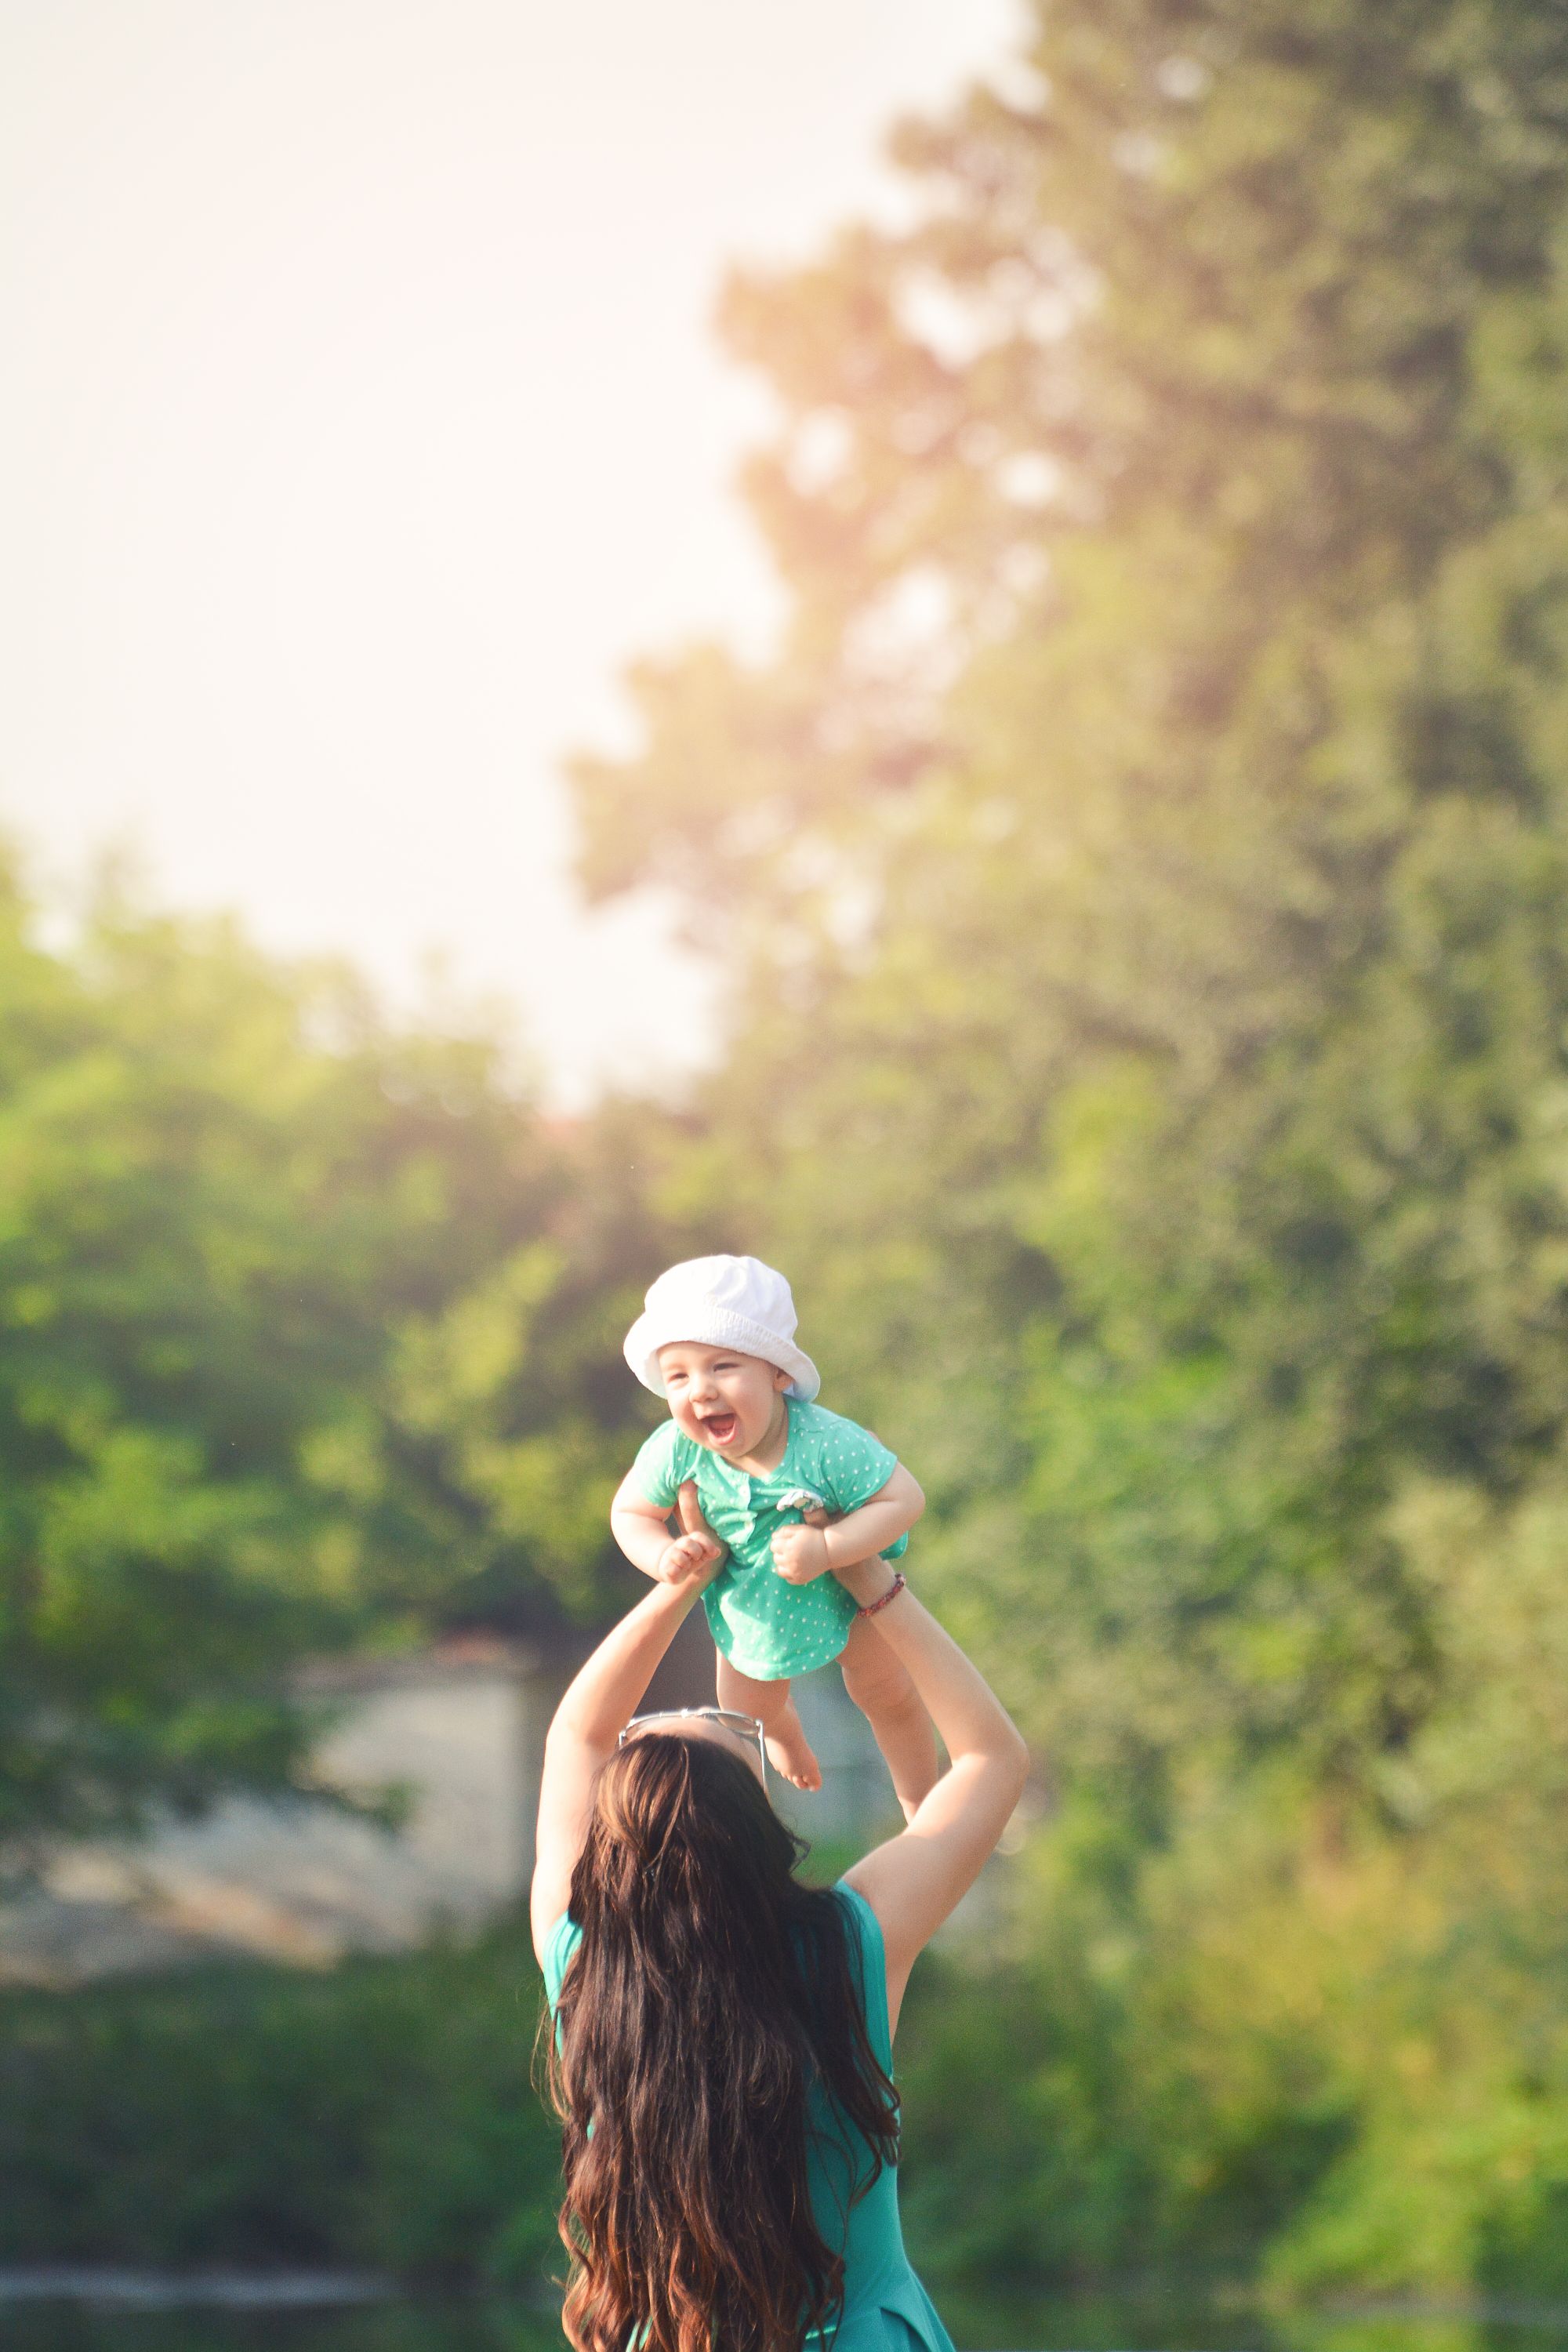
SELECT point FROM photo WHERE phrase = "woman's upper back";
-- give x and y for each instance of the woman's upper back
(838, 2157)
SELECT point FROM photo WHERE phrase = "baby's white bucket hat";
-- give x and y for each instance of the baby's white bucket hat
(721, 1302)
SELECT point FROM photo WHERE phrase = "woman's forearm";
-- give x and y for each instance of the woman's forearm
(971, 1718)
(598, 1701)
(605, 1690)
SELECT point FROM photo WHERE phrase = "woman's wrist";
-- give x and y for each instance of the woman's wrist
(875, 1608)
(866, 1580)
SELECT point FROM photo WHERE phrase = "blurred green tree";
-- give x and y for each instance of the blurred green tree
(1140, 878)
(1138, 881)
(302, 1344)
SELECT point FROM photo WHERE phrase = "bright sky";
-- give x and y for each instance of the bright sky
(360, 417)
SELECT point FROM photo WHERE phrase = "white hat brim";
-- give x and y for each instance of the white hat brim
(716, 1327)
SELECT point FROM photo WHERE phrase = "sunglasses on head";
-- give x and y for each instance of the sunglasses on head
(747, 1725)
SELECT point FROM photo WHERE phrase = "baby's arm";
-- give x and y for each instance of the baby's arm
(642, 1531)
(801, 1553)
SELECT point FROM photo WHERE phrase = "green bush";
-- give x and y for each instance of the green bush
(381, 2115)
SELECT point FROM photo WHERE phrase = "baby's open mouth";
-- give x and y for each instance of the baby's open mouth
(720, 1428)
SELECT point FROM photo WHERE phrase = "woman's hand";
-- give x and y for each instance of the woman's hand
(694, 1555)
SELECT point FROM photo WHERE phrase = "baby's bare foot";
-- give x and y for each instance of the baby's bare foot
(790, 1752)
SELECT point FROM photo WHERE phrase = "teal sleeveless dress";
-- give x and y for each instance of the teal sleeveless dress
(886, 2308)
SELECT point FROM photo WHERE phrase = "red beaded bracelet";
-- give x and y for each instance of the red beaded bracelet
(891, 1593)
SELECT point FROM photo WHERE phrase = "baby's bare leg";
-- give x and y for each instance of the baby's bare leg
(789, 1750)
(882, 1690)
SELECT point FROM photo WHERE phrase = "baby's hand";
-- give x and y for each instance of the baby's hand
(800, 1554)
(684, 1557)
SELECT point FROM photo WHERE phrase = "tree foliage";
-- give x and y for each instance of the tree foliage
(304, 1329)
(1140, 871)
(1138, 878)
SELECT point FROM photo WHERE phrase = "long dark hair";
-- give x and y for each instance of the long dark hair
(711, 1988)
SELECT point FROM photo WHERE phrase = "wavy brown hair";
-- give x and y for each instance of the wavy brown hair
(709, 1992)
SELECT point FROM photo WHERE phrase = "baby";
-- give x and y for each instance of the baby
(716, 1340)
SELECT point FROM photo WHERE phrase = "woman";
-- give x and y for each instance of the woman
(723, 2058)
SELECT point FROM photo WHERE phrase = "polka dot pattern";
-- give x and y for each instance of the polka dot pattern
(768, 1628)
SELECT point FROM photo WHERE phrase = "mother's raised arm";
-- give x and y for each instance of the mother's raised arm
(914, 1880)
(598, 1702)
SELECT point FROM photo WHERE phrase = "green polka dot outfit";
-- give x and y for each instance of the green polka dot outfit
(766, 1628)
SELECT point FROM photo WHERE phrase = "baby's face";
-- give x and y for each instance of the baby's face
(724, 1400)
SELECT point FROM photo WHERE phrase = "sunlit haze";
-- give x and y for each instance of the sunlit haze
(360, 416)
